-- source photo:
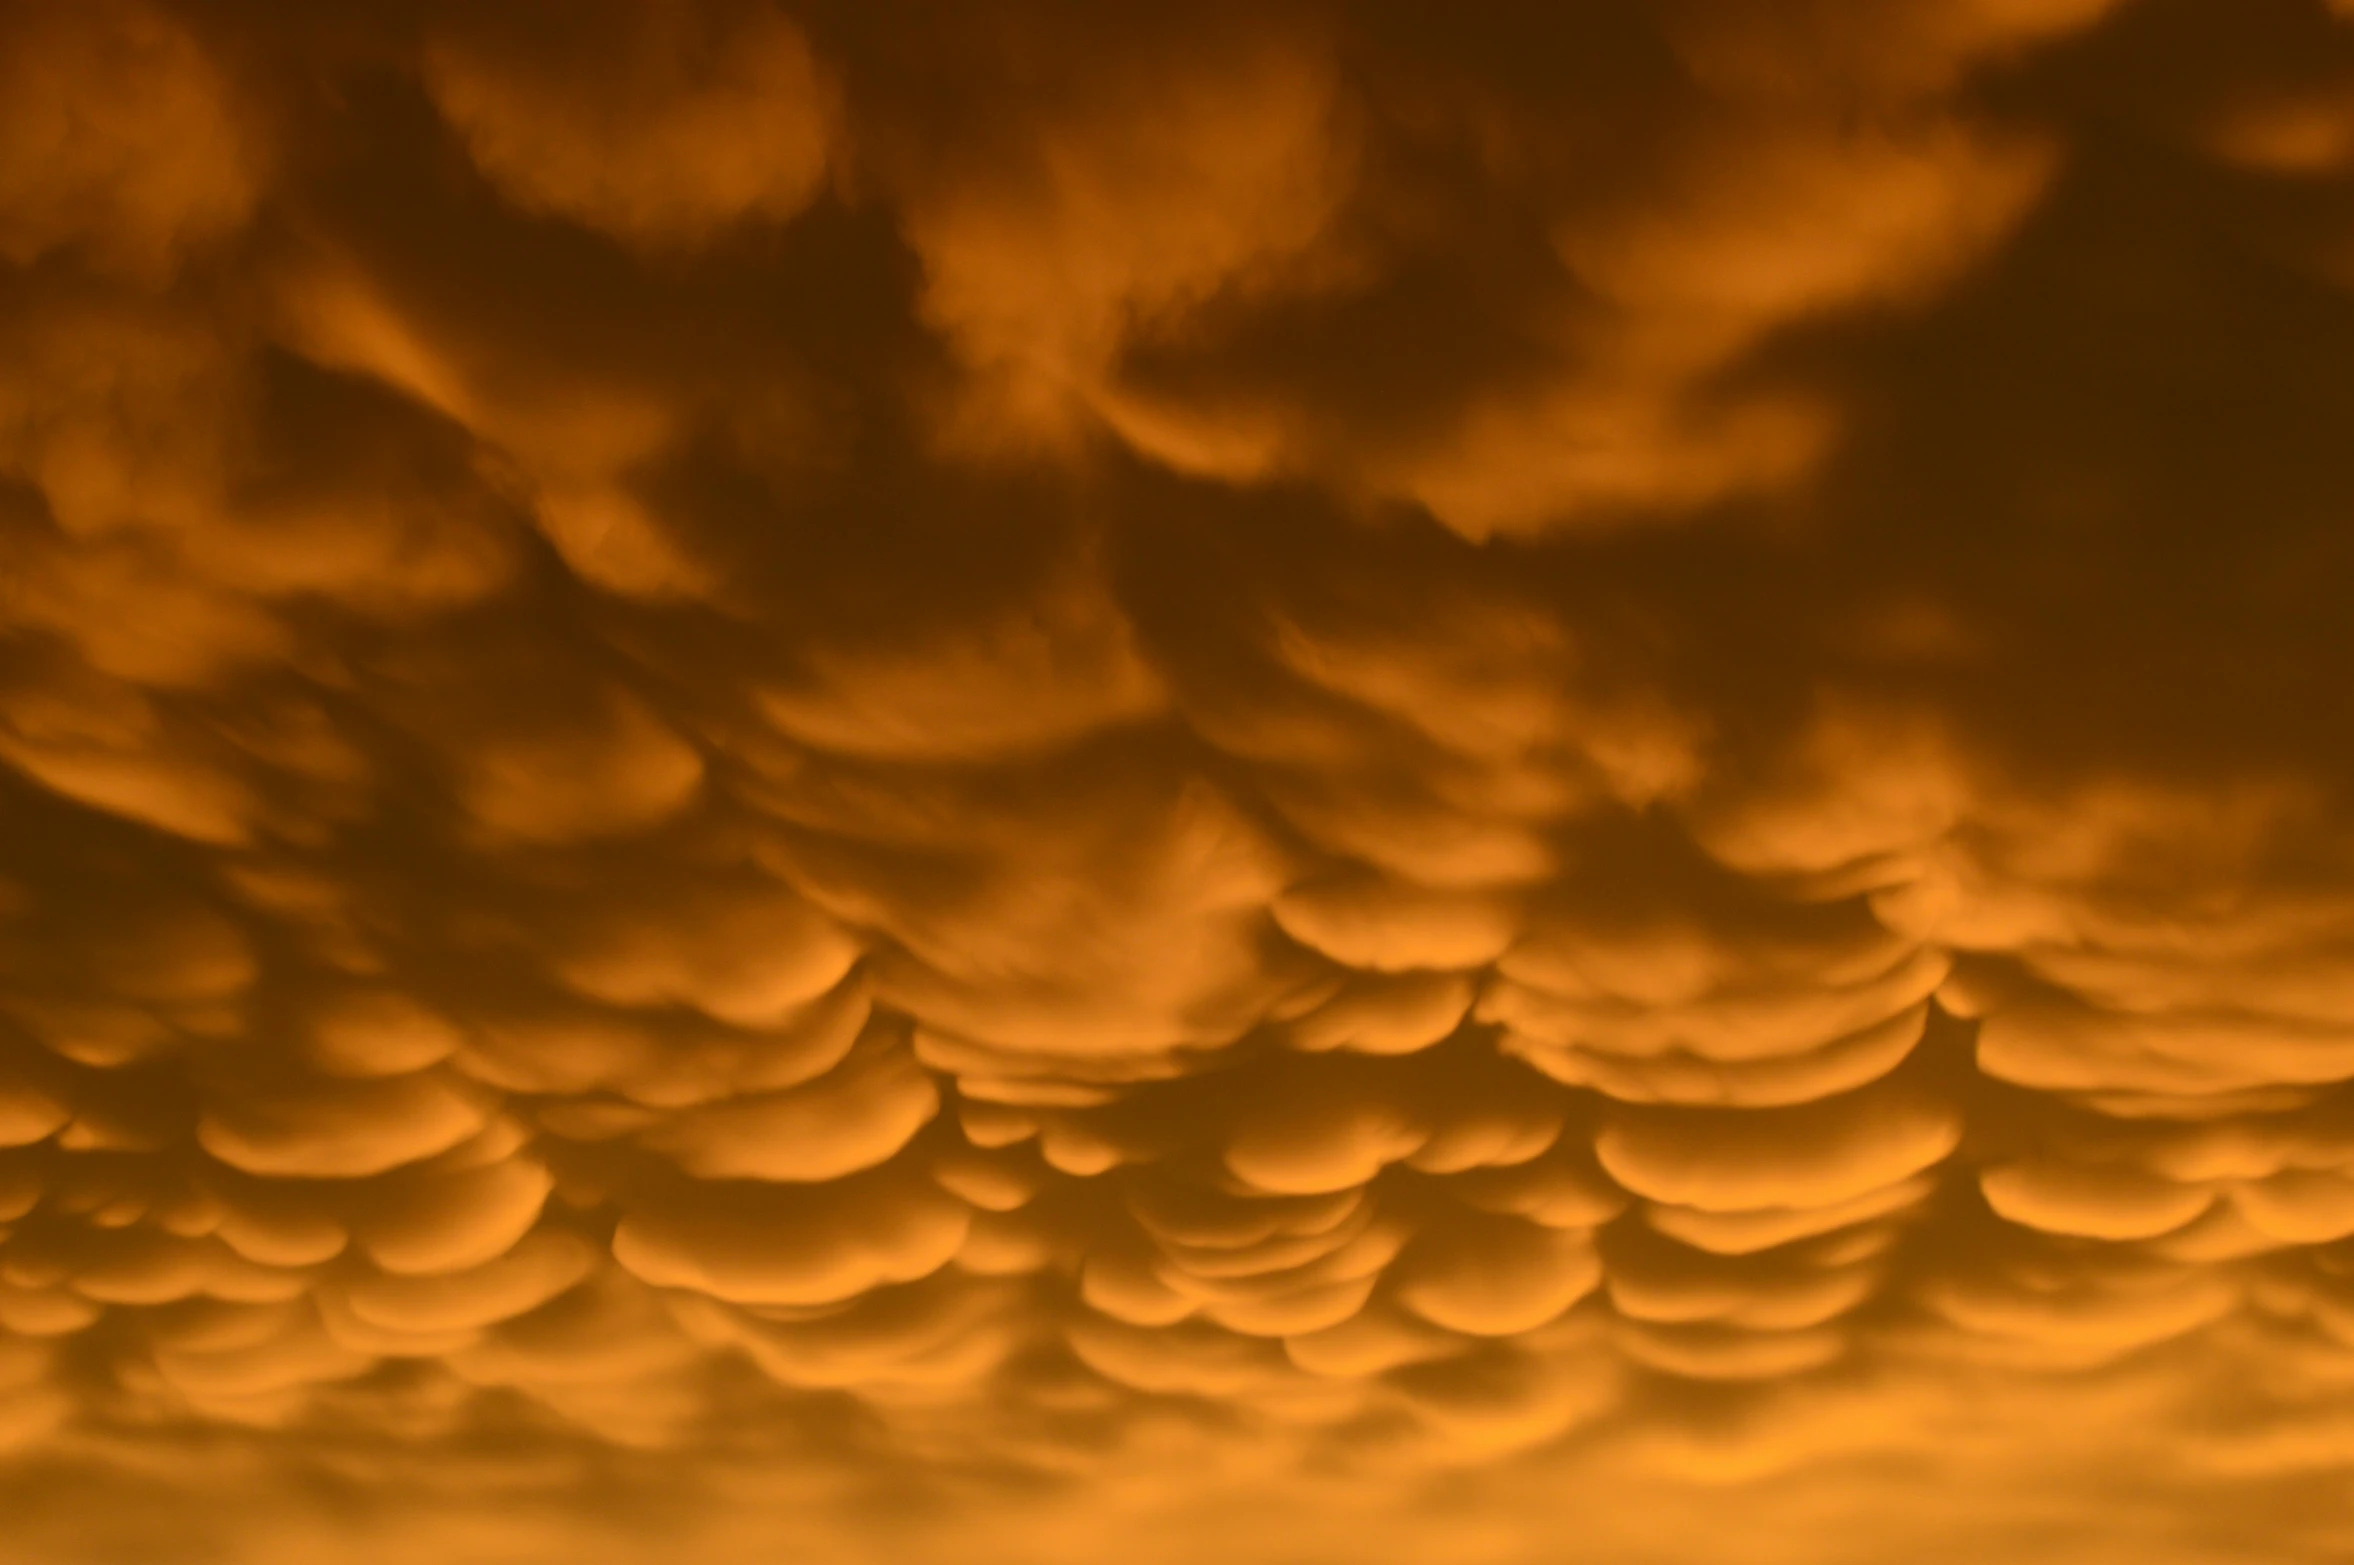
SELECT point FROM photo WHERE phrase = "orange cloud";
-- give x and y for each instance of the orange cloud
(1300, 782)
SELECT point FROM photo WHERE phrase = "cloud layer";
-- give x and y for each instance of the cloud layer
(1275, 778)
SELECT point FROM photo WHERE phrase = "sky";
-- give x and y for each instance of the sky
(1295, 782)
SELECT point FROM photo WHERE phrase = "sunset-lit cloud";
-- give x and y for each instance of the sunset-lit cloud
(1306, 782)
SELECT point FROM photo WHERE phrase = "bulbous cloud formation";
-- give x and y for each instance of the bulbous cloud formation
(1286, 780)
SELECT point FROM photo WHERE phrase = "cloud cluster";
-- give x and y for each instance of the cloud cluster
(757, 755)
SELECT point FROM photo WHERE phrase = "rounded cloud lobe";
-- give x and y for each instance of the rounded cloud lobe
(838, 770)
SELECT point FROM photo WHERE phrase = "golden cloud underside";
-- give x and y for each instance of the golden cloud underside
(1290, 781)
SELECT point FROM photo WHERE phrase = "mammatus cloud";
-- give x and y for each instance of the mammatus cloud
(1303, 781)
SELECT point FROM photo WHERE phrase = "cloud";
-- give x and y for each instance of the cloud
(659, 126)
(1304, 781)
(121, 140)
